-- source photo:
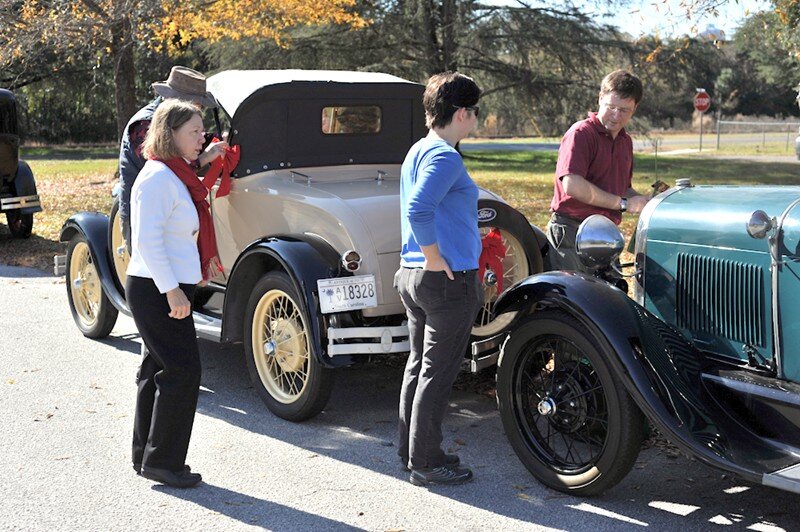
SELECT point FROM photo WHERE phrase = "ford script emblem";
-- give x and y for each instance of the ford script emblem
(486, 214)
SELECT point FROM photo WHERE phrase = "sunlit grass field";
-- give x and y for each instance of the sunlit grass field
(70, 181)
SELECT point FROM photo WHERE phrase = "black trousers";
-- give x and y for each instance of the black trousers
(440, 314)
(168, 379)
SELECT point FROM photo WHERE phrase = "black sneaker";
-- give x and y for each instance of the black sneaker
(444, 475)
(449, 460)
(138, 468)
(176, 479)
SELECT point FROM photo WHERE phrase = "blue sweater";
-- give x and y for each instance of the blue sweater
(438, 205)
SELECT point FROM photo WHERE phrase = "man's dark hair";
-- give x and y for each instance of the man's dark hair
(625, 84)
(444, 94)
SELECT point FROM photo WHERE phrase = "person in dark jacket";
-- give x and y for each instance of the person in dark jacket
(183, 84)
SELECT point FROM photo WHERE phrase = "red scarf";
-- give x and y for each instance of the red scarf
(210, 265)
(222, 167)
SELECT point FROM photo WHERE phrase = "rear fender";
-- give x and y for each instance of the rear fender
(94, 227)
(660, 369)
(305, 261)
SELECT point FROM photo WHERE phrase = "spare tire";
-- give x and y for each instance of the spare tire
(512, 252)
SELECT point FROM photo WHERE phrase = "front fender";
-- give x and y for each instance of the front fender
(25, 187)
(659, 367)
(305, 262)
(94, 227)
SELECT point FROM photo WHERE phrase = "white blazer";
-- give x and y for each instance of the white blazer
(164, 227)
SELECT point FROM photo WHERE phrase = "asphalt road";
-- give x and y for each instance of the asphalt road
(66, 405)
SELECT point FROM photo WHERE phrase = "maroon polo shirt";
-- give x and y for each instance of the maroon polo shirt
(588, 150)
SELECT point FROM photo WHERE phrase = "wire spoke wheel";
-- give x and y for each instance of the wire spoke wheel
(117, 246)
(283, 366)
(567, 416)
(93, 313)
(514, 268)
(84, 285)
(280, 346)
(562, 404)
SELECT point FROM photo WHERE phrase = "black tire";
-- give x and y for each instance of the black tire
(117, 247)
(92, 311)
(551, 361)
(293, 384)
(518, 236)
(20, 225)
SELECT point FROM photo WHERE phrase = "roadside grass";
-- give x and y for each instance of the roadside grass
(750, 148)
(71, 180)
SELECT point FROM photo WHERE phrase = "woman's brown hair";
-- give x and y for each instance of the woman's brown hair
(169, 116)
(444, 94)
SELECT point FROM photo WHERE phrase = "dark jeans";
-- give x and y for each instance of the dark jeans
(168, 379)
(440, 317)
(561, 233)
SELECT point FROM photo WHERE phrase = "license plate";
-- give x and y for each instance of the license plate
(347, 293)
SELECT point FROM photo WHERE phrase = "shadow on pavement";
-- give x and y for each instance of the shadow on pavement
(123, 342)
(253, 511)
(359, 428)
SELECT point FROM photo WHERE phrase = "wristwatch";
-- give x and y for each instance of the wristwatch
(623, 204)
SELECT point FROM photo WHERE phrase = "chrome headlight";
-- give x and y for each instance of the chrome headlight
(598, 242)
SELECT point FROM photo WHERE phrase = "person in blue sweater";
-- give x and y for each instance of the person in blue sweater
(438, 278)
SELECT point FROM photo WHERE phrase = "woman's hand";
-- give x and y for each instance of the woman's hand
(438, 264)
(213, 151)
(178, 303)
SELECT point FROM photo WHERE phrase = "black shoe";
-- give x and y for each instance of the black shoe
(138, 468)
(449, 460)
(176, 479)
(444, 475)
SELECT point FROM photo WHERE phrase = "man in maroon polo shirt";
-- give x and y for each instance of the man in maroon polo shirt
(594, 169)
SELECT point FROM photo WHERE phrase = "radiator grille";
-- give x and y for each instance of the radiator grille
(721, 297)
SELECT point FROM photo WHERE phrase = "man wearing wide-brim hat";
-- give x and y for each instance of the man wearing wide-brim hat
(184, 84)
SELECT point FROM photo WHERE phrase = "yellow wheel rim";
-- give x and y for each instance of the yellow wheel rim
(280, 346)
(119, 249)
(515, 268)
(84, 285)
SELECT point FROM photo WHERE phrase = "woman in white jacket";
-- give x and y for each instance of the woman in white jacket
(173, 249)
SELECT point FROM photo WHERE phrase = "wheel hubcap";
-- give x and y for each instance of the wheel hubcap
(547, 406)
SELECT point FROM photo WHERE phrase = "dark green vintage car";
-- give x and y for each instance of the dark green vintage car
(18, 197)
(708, 350)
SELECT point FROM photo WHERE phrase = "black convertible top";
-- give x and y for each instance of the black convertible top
(276, 117)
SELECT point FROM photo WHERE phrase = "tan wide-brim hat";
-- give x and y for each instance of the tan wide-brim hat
(185, 84)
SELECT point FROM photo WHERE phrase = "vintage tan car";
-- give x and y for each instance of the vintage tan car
(309, 236)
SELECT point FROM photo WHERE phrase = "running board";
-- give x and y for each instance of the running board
(786, 479)
(207, 327)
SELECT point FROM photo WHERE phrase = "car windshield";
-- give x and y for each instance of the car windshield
(8, 116)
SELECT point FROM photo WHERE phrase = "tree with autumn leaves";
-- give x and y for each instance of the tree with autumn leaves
(41, 37)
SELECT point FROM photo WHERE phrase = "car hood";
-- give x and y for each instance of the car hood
(717, 215)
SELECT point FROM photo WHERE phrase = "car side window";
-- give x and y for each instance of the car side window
(359, 120)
